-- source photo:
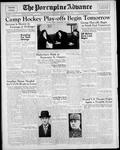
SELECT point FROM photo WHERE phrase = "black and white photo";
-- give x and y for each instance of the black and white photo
(58, 36)
(75, 125)
(59, 75)
(45, 127)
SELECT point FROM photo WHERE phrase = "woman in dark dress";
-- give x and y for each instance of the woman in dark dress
(74, 42)
(44, 41)
(61, 40)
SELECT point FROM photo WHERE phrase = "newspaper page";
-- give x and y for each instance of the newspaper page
(59, 75)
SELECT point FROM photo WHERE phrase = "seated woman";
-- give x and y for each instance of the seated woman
(61, 41)
(44, 41)
(74, 42)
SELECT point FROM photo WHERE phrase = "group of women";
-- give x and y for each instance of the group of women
(60, 40)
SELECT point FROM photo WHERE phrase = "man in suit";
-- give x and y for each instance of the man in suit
(45, 127)
(75, 125)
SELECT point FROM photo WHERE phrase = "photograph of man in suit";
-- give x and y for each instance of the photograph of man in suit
(45, 127)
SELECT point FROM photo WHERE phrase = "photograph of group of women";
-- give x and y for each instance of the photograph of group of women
(58, 36)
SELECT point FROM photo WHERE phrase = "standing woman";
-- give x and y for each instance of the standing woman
(44, 41)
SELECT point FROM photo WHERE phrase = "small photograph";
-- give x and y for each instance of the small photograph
(57, 36)
(75, 125)
(45, 127)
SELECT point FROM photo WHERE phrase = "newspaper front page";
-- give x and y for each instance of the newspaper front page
(59, 75)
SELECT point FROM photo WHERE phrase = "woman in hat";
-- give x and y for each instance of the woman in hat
(61, 40)
(74, 41)
(44, 41)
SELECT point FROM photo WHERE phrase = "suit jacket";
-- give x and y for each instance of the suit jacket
(42, 133)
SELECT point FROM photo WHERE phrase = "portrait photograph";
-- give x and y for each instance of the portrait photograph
(75, 125)
(45, 126)
(58, 36)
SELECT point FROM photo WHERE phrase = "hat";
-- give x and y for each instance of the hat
(74, 117)
(44, 114)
